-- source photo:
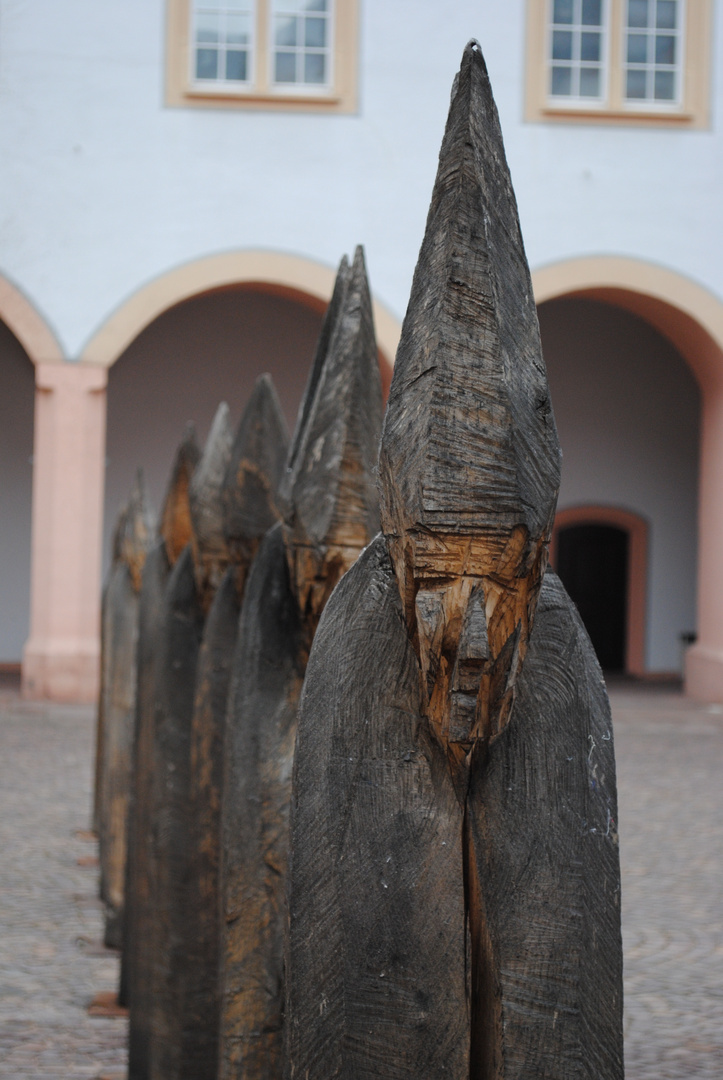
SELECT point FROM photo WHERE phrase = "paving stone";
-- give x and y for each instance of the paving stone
(52, 964)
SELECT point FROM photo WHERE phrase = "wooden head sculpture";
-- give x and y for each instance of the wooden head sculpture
(174, 526)
(210, 553)
(470, 461)
(330, 501)
(250, 489)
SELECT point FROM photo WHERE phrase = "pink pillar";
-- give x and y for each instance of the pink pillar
(704, 660)
(61, 656)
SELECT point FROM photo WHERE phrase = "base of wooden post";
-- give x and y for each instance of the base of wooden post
(106, 1004)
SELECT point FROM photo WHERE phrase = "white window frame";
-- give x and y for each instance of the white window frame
(302, 88)
(648, 104)
(260, 90)
(572, 101)
(690, 110)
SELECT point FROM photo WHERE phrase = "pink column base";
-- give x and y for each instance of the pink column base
(69, 673)
(61, 656)
(704, 673)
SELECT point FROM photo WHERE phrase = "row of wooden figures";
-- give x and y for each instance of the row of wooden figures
(355, 785)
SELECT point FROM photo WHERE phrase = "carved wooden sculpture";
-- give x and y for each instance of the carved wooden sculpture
(454, 881)
(249, 499)
(118, 700)
(330, 513)
(188, 596)
(174, 535)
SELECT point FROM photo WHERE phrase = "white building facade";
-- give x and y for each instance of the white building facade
(179, 180)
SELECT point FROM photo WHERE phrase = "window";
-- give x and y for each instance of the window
(273, 54)
(631, 61)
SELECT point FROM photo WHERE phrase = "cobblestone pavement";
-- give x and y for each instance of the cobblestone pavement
(670, 764)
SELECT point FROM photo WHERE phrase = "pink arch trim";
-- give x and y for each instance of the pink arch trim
(28, 325)
(637, 529)
(305, 279)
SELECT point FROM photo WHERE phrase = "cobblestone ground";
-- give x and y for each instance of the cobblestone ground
(670, 788)
(670, 763)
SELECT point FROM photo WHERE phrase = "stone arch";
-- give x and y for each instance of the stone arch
(305, 280)
(691, 317)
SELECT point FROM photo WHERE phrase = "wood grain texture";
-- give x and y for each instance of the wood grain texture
(377, 971)
(329, 502)
(470, 462)
(256, 466)
(136, 989)
(205, 499)
(267, 676)
(178, 643)
(249, 496)
(544, 870)
(119, 633)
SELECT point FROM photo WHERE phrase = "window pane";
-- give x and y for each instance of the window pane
(590, 47)
(561, 81)
(315, 33)
(238, 5)
(286, 30)
(236, 65)
(666, 15)
(637, 48)
(637, 12)
(314, 68)
(664, 49)
(206, 63)
(316, 5)
(238, 30)
(561, 45)
(562, 12)
(592, 12)
(285, 67)
(590, 82)
(207, 27)
(635, 84)
(664, 86)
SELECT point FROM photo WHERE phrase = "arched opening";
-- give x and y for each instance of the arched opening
(628, 412)
(593, 564)
(601, 554)
(204, 350)
(17, 383)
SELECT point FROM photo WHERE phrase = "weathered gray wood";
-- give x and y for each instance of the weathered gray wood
(330, 513)
(210, 551)
(268, 672)
(179, 640)
(136, 988)
(469, 470)
(119, 633)
(377, 974)
(470, 462)
(250, 488)
(191, 587)
(249, 496)
(543, 856)
(331, 505)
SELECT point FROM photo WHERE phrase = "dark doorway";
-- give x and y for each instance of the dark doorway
(592, 561)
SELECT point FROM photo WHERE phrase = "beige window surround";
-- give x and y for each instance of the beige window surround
(691, 112)
(339, 97)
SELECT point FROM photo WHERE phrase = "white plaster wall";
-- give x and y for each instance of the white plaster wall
(204, 351)
(17, 395)
(627, 411)
(103, 188)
